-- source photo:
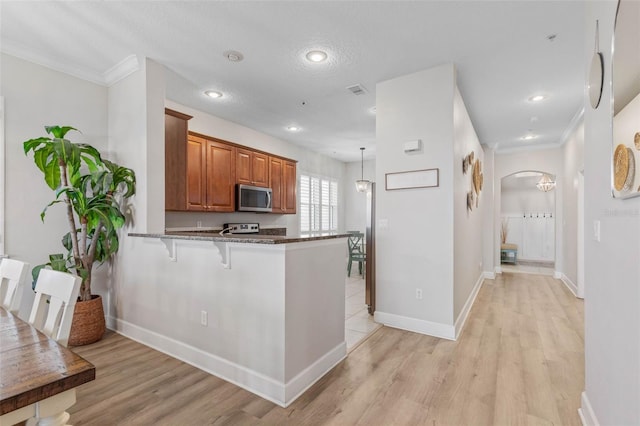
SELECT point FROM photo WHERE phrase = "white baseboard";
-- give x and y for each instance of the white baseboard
(489, 275)
(303, 381)
(557, 275)
(569, 284)
(429, 328)
(464, 313)
(268, 388)
(498, 269)
(587, 416)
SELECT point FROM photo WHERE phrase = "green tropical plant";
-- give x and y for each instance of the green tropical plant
(92, 190)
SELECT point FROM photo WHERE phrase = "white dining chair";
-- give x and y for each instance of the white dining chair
(13, 274)
(54, 318)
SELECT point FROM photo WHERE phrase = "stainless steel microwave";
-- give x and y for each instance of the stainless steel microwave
(253, 199)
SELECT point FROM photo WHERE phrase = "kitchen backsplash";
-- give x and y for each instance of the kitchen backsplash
(213, 221)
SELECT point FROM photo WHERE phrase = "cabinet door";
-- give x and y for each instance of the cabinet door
(221, 178)
(275, 178)
(259, 169)
(252, 168)
(243, 166)
(196, 173)
(289, 202)
(175, 160)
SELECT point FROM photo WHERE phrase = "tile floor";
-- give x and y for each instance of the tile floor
(358, 323)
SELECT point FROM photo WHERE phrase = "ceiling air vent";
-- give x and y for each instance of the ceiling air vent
(357, 89)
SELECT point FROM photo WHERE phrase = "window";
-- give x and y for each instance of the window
(318, 204)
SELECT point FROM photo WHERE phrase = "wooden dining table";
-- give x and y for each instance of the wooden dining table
(38, 376)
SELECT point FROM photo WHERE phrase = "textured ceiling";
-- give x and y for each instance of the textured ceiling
(500, 49)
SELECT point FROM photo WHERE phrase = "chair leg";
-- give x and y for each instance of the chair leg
(349, 268)
(360, 267)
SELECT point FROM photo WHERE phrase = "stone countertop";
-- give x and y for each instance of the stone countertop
(240, 238)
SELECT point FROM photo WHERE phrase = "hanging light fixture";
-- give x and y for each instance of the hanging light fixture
(545, 184)
(362, 185)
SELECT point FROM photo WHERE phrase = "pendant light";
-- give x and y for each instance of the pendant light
(546, 184)
(362, 185)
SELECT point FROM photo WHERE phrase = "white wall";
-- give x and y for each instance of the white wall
(544, 160)
(36, 96)
(308, 162)
(467, 225)
(573, 166)
(526, 200)
(2, 176)
(488, 230)
(612, 270)
(355, 203)
(414, 229)
(136, 117)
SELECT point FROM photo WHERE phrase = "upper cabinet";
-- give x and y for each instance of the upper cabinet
(175, 161)
(282, 180)
(210, 175)
(290, 179)
(252, 168)
(201, 172)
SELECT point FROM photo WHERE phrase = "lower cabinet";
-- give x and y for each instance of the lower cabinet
(210, 175)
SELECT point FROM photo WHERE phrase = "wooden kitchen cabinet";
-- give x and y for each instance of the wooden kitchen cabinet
(175, 160)
(290, 181)
(201, 172)
(252, 168)
(282, 178)
(210, 175)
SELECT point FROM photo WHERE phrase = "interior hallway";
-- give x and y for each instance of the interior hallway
(519, 360)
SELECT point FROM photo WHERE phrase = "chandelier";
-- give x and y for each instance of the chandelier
(545, 184)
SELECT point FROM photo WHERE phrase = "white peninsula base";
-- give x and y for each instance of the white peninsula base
(266, 317)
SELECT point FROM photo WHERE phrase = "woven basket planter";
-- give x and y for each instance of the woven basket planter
(88, 322)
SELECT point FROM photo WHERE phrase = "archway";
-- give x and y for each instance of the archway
(527, 212)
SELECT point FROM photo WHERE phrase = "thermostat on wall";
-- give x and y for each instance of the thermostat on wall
(412, 146)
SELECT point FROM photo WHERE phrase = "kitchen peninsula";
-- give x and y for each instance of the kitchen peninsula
(265, 312)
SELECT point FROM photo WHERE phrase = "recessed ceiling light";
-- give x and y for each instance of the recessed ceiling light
(213, 94)
(233, 55)
(529, 137)
(316, 56)
(293, 128)
(537, 98)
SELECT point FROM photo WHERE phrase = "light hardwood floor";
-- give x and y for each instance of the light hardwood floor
(519, 360)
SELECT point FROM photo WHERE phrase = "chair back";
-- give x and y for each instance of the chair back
(13, 274)
(54, 318)
(355, 242)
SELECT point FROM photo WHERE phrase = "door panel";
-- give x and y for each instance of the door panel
(196, 164)
(220, 177)
(260, 169)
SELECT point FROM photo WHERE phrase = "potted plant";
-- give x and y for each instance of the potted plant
(92, 189)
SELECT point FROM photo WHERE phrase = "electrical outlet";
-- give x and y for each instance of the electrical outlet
(203, 318)
(199, 224)
(419, 293)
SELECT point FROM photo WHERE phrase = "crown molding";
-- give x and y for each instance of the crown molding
(114, 74)
(526, 148)
(122, 69)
